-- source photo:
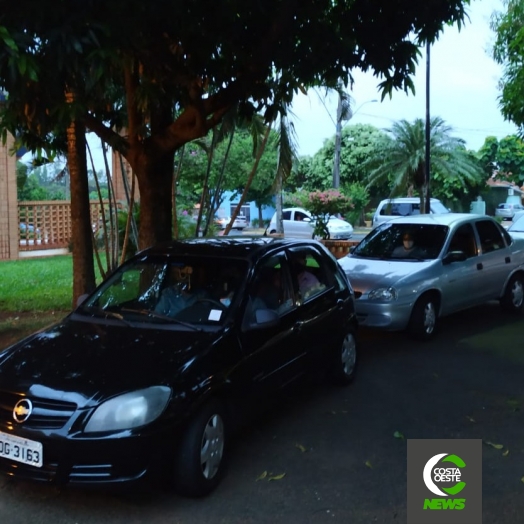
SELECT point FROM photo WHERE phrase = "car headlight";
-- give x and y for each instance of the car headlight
(383, 293)
(129, 410)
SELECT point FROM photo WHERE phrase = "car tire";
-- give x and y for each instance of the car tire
(345, 361)
(513, 298)
(423, 323)
(200, 462)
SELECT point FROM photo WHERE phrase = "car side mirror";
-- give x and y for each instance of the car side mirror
(454, 256)
(306, 219)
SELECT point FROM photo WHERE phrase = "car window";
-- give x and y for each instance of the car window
(464, 240)
(309, 273)
(397, 209)
(491, 238)
(286, 215)
(300, 216)
(384, 240)
(271, 288)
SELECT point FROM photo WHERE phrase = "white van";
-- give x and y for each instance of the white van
(403, 207)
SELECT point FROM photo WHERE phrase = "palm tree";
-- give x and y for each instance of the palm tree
(401, 162)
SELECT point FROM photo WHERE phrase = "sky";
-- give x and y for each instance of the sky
(463, 91)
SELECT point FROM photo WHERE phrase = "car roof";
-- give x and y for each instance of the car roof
(296, 209)
(407, 200)
(444, 219)
(234, 247)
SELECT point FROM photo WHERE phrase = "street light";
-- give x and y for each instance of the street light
(338, 138)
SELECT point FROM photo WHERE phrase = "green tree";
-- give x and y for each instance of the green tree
(358, 143)
(503, 160)
(173, 84)
(508, 51)
(238, 159)
(401, 162)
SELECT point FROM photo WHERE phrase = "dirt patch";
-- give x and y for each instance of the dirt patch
(15, 325)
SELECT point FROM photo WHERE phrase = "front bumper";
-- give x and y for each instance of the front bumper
(389, 316)
(97, 461)
(340, 235)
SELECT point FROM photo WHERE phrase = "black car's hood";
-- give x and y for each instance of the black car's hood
(95, 359)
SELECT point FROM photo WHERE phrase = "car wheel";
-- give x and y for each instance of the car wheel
(343, 370)
(424, 318)
(513, 298)
(200, 461)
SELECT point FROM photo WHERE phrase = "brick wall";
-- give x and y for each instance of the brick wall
(8, 203)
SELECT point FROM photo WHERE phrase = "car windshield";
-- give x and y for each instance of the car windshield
(517, 226)
(439, 207)
(399, 241)
(184, 290)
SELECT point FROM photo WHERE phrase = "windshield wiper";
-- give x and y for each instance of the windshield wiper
(107, 313)
(159, 316)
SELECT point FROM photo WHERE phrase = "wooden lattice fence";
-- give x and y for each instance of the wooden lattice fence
(47, 224)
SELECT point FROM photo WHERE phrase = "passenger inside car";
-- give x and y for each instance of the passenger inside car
(306, 279)
(178, 294)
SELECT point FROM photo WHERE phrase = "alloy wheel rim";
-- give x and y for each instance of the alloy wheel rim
(430, 318)
(517, 293)
(349, 354)
(212, 448)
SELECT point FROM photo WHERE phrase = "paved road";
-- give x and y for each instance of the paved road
(337, 448)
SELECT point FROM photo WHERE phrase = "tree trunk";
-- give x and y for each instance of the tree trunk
(81, 228)
(279, 205)
(155, 178)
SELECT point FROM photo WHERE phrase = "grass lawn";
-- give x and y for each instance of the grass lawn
(34, 292)
(36, 284)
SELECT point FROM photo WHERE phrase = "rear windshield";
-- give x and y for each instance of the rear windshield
(386, 241)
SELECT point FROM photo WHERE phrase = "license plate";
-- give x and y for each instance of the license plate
(21, 450)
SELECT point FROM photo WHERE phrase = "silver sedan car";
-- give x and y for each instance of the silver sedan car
(409, 272)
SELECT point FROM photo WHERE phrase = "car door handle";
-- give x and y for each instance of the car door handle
(480, 266)
(507, 260)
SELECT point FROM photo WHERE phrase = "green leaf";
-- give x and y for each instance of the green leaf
(368, 464)
(276, 477)
(262, 476)
(399, 435)
(301, 448)
(496, 446)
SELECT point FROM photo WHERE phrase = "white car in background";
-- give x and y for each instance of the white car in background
(239, 223)
(298, 223)
(516, 230)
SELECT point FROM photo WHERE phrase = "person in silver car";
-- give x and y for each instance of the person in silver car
(408, 249)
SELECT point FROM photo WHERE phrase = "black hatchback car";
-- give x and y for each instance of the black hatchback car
(152, 371)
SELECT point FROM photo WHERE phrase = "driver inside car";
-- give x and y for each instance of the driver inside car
(178, 295)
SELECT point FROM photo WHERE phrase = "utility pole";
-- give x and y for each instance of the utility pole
(427, 195)
(338, 145)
